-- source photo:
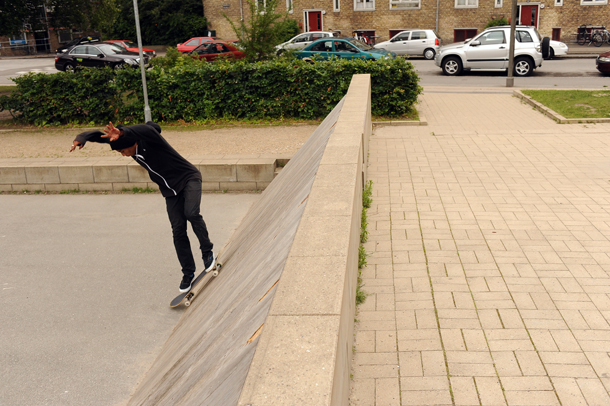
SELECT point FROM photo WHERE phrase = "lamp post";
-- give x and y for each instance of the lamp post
(147, 116)
(510, 80)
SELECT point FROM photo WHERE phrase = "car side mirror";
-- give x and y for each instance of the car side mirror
(100, 55)
(475, 43)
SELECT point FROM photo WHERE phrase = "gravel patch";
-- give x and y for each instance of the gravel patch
(52, 143)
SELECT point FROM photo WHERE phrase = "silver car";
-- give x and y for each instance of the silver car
(489, 51)
(414, 42)
(302, 40)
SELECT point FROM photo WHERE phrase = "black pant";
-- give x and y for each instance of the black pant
(180, 209)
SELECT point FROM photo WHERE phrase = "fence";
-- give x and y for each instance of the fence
(23, 47)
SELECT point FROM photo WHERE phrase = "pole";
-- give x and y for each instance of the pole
(510, 80)
(437, 4)
(147, 116)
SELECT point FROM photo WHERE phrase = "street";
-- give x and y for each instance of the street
(13, 67)
(552, 73)
(573, 73)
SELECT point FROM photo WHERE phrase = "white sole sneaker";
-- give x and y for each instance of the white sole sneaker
(209, 268)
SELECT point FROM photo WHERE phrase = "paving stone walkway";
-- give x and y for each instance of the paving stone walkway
(489, 270)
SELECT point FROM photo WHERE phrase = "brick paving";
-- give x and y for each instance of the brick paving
(488, 270)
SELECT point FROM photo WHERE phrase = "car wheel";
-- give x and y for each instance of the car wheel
(452, 66)
(545, 46)
(69, 68)
(551, 53)
(523, 67)
(429, 53)
(119, 66)
(280, 52)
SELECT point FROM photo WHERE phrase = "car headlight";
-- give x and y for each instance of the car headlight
(562, 45)
(603, 59)
(538, 49)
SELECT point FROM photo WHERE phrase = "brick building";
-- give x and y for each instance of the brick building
(454, 20)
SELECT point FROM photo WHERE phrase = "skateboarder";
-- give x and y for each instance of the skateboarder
(179, 182)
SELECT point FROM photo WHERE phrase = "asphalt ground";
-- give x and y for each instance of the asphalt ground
(85, 286)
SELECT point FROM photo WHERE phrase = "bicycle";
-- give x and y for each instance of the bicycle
(601, 36)
(583, 36)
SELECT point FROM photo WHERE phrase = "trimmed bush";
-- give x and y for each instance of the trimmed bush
(281, 88)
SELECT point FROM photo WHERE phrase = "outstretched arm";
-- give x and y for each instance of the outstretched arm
(82, 138)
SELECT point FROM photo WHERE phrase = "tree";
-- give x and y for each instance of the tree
(83, 15)
(162, 22)
(19, 15)
(263, 30)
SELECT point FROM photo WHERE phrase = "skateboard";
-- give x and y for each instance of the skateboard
(187, 297)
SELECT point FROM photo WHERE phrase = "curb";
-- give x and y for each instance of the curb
(553, 114)
(422, 121)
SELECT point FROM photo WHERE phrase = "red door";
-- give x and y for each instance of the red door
(529, 15)
(314, 21)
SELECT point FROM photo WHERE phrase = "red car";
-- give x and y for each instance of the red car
(215, 49)
(191, 44)
(132, 46)
(603, 63)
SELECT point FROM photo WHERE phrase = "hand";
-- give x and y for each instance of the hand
(112, 133)
(76, 144)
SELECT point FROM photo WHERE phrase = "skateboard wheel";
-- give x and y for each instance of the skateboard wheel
(187, 303)
(218, 265)
(215, 273)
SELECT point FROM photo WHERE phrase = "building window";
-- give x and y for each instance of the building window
(289, 6)
(364, 5)
(593, 2)
(405, 4)
(462, 34)
(337, 5)
(558, 2)
(498, 3)
(467, 3)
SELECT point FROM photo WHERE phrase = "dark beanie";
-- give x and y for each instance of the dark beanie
(123, 142)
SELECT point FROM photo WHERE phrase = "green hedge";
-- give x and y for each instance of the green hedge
(280, 88)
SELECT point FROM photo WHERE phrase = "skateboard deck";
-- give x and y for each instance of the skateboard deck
(187, 297)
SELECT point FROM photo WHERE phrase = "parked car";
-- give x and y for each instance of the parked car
(347, 48)
(132, 47)
(97, 55)
(557, 48)
(217, 49)
(76, 41)
(302, 40)
(489, 51)
(191, 44)
(413, 42)
(603, 63)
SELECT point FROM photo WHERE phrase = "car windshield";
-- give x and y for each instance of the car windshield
(360, 45)
(130, 44)
(111, 49)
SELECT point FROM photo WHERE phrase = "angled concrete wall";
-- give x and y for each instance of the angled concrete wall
(276, 326)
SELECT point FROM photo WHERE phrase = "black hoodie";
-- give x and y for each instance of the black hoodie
(165, 166)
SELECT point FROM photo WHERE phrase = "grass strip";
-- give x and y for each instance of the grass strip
(574, 103)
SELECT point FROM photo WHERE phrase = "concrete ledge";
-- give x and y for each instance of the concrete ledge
(553, 114)
(303, 357)
(238, 173)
